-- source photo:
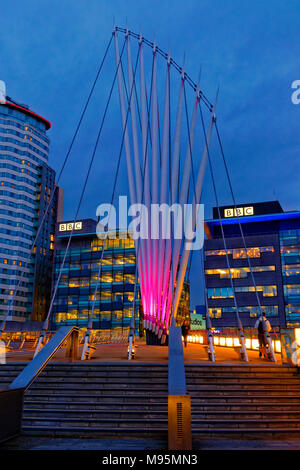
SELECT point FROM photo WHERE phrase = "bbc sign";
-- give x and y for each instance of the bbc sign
(69, 226)
(238, 211)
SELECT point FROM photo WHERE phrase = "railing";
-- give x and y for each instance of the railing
(229, 340)
(12, 397)
(103, 337)
(26, 341)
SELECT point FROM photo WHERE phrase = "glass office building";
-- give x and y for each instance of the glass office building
(273, 248)
(76, 287)
(26, 185)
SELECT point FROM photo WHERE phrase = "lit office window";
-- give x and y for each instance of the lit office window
(253, 252)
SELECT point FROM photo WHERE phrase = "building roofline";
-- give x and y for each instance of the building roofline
(255, 218)
(28, 112)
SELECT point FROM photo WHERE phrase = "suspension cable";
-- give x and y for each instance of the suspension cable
(239, 221)
(240, 327)
(245, 245)
(90, 322)
(56, 184)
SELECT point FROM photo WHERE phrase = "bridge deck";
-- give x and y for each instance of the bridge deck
(193, 354)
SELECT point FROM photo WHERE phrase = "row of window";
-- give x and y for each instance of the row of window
(102, 296)
(20, 196)
(227, 292)
(238, 273)
(116, 260)
(116, 277)
(291, 269)
(252, 311)
(15, 234)
(19, 225)
(12, 262)
(26, 207)
(15, 253)
(24, 153)
(19, 168)
(19, 187)
(17, 215)
(30, 164)
(111, 318)
(290, 259)
(17, 303)
(24, 136)
(238, 253)
(14, 272)
(26, 144)
(6, 241)
(26, 121)
(292, 289)
(23, 179)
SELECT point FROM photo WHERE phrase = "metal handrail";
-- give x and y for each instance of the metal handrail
(179, 402)
(35, 367)
(176, 370)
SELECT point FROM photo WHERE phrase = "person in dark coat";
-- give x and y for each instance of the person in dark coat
(185, 331)
(259, 325)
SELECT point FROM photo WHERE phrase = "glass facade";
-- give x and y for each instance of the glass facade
(26, 185)
(290, 260)
(272, 239)
(264, 254)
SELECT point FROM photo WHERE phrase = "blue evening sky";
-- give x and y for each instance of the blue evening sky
(50, 51)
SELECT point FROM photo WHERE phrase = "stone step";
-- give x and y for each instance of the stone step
(259, 434)
(107, 391)
(208, 416)
(243, 380)
(92, 404)
(197, 380)
(236, 415)
(245, 398)
(88, 397)
(245, 423)
(73, 431)
(128, 422)
(243, 390)
(99, 387)
(83, 381)
(43, 413)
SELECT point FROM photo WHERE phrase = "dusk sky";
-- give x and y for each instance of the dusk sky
(50, 52)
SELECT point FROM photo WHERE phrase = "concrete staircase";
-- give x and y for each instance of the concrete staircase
(228, 401)
(251, 402)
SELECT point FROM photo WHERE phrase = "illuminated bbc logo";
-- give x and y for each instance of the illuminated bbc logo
(69, 226)
(239, 211)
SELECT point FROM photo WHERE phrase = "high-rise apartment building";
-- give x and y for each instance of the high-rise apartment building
(26, 186)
